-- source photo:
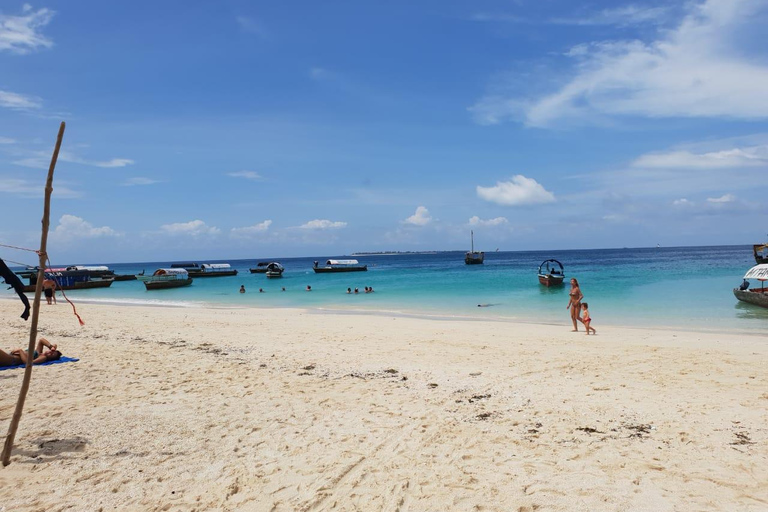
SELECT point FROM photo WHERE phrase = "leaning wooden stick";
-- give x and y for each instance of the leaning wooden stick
(8, 446)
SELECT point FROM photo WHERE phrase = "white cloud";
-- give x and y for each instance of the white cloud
(191, 228)
(682, 202)
(701, 68)
(72, 227)
(755, 156)
(727, 198)
(21, 34)
(65, 156)
(17, 101)
(250, 25)
(518, 191)
(323, 224)
(420, 218)
(41, 160)
(27, 189)
(621, 16)
(6, 140)
(248, 231)
(477, 221)
(249, 175)
(138, 180)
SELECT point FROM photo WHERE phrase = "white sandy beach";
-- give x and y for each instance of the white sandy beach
(289, 410)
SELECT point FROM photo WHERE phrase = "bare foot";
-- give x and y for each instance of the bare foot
(574, 330)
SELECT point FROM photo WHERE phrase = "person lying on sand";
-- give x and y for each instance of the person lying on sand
(19, 356)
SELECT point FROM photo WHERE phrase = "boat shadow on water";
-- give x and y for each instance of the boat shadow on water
(750, 311)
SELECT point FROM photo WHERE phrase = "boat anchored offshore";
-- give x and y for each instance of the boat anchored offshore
(67, 279)
(761, 253)
(261, 267)
(207, 269)
(275, 269)
(474, 257)
(340, 266)
(164, 278)
(551, 273)
(756, 296)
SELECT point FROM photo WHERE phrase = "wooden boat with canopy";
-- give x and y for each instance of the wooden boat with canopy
(756, 296)
(164, 278)
(551, 273)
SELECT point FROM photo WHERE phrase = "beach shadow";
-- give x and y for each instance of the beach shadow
(51, 449)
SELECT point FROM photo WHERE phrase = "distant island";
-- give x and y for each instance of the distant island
(394, 253)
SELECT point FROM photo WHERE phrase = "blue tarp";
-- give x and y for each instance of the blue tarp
(63, 359)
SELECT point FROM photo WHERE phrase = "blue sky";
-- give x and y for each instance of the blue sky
(247, 129)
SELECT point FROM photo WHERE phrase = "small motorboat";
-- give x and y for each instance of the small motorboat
(261, 267)
(756, 296)
(551, 273)
(274, 269)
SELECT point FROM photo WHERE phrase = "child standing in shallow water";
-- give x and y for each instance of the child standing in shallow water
(586, 318)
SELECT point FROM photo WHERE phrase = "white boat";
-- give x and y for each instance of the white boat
(340, 266)
(756, 296)
(274, 269)
(164, 278)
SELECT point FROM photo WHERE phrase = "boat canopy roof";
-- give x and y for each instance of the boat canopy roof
(274, 265)
(341, 262)
(759, 272)
(171, 272)
(100, 268)
(546, 264)
(190, 264)
(215, 266)
(263, 263)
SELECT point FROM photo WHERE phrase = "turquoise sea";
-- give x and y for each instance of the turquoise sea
(686, 287)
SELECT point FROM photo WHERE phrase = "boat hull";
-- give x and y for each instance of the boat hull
(754, 296)
(78, 285)
(258, 270)
(474, 258)
(328, 270)
(213, 274)
(272, 274)
(171, 283)
(550, 280)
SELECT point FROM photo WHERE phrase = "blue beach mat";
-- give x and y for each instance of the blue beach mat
(62, 359)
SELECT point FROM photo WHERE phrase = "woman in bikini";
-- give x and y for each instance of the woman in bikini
(19, 356)
(574, 304)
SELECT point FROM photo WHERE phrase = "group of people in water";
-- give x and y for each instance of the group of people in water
(19, 356)
(579, 308)
(368, 289)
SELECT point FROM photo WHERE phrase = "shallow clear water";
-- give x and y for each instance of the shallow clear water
(686, 287)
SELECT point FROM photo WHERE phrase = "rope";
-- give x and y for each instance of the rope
(20, 248)
(18, 263)
(74, 309)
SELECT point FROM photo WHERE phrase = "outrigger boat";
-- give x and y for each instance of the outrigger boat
(756, 296)
(164, 278)
(340, 266)
(553, 275)
(474, 257)
(275, 269)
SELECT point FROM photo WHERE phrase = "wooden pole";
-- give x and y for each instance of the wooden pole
(8, 446)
